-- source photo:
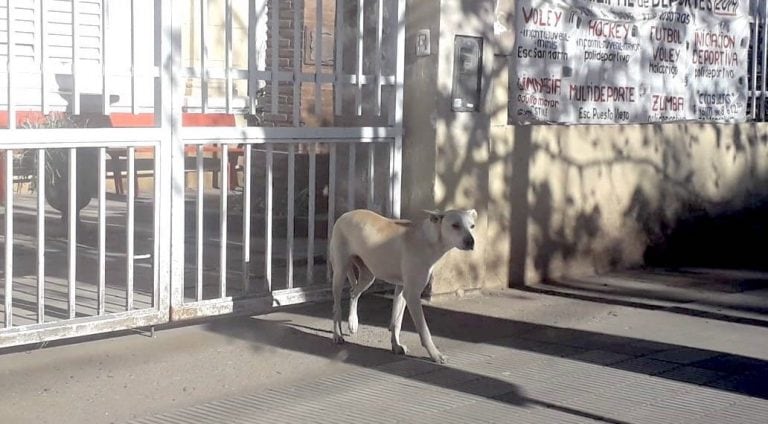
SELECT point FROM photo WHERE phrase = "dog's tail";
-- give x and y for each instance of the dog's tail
(343, 264)
(328, 256)
(331, 253)
(353, 267)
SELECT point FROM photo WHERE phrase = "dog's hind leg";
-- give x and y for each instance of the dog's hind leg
(398, 309)
(339, 275)
(352, 278)
(363, 283)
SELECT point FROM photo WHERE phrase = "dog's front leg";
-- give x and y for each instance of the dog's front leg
(412, 291)
(398, 308)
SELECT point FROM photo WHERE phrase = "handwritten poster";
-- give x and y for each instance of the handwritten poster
(629, 61)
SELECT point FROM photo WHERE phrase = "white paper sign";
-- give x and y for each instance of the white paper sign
(629, 61)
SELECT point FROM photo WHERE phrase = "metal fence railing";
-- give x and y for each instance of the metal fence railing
(126, 202)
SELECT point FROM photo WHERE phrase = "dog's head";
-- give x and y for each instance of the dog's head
(454, 228)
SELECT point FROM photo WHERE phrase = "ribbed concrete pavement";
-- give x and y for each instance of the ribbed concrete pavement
(649, 347)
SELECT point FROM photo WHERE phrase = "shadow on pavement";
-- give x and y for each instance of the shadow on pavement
(722, 371)
(285, 335)
(725, 295)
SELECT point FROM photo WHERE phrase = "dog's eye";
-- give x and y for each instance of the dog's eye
(455, 226)
(472, 227)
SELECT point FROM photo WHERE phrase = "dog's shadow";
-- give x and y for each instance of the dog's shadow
(271, 334)
(265, 334)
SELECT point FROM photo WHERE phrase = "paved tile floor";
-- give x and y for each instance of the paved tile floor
(532, 380)
(643, 353)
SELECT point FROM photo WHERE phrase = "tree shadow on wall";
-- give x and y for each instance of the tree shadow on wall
(674, 220)
(667, 194)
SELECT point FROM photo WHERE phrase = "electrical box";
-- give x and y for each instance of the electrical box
(467, 73)
(423, 43)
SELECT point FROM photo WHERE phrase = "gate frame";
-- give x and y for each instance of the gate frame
(169, 139)
(109, 322)
(179, 138)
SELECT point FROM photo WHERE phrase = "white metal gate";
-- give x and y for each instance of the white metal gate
(100, 94)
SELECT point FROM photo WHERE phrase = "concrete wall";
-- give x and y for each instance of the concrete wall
(585, 199)
(445, 152)
(569, 200)
(421, 99)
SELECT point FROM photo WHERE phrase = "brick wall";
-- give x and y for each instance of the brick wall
(328, 19)
(286, 46)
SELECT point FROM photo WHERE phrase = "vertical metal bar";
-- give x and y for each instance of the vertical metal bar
(72, 232)
(371, 174)
(104, 50)
(11, 37)
(8, 237)
(377, 61)
(351, 177)
(156, 220)
(228, 55)
(390, 179)
(224, 192)
(43, 57)
(298, 11)
(331, 199)
(204, 55)
(130, 228)
(247, 220)
(40, 236)
(763, 67)
(275, 18)
(311, 214)
(37, 24)
(359, 69)
(161, 27)
(254, 19)
(134, 58)
(75, 56)
(291, 213)
(268, 220)
(199, 214)
(318, 57)
(102, 229)
(339, 56)
(172, 155)
(755, 30)
(396, 118)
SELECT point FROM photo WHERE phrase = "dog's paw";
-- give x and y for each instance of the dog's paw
(399, 350)
(352, 325)
(338, 339)
(439, 358)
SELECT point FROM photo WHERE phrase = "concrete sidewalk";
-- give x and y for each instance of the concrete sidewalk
(514, 357)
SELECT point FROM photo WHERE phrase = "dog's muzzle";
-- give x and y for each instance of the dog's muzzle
(469, 243)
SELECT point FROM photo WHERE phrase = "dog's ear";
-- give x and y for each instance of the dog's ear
(472, 213)
(434, 216)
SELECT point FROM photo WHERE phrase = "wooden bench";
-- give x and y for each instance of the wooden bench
(117, 163)
(118, 156)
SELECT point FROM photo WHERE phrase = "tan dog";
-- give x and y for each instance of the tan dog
(365, 246)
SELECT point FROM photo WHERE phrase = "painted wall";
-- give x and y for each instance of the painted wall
(571, 200)
(585, 199)
(445, 152)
